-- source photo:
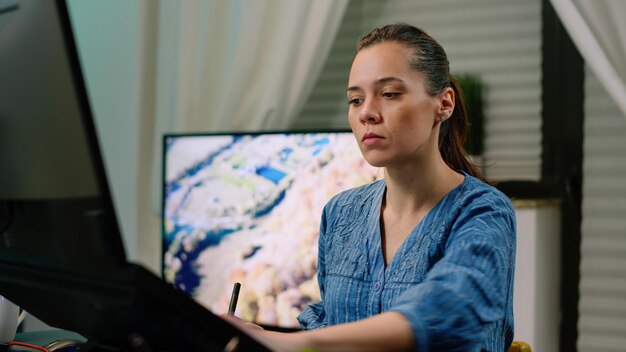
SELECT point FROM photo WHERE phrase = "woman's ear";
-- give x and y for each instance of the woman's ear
(446, 102)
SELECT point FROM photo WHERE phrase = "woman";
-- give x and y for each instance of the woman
(424, 259)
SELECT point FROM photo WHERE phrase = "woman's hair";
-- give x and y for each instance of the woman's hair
(430, 59)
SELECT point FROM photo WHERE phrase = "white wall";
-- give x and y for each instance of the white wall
(536, 302)
(107, 37)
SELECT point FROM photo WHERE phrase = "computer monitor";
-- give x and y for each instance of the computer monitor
(246, 207)
(61, 253)
(51, 165)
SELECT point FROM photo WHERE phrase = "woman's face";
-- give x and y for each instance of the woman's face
(393, 118)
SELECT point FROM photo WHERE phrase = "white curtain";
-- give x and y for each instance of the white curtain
(239, 64)
(598, 28)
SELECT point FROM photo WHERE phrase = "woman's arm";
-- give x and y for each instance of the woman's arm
(384, 332)
(465, 301)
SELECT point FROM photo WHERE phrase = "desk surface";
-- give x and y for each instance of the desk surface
(42, 338)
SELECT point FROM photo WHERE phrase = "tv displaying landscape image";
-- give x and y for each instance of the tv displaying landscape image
(246, 208)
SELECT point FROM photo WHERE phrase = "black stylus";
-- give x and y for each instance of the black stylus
(233, 299)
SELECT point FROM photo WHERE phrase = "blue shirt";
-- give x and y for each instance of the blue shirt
(452, 277)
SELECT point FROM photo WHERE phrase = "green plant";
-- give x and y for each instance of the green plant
(472, 90)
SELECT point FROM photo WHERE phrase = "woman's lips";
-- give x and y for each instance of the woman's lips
(371, 138)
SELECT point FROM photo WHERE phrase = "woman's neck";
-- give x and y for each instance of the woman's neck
(418, 187)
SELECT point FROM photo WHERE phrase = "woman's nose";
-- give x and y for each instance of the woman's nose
(370, 112)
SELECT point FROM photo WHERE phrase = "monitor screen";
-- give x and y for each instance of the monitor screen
(246, 208)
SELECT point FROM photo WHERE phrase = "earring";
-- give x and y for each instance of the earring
(442, 118)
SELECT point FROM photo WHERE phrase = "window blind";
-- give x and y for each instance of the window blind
(602, 304)
(500, 41)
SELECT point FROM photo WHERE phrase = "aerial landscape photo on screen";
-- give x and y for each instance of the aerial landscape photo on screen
(246, 208)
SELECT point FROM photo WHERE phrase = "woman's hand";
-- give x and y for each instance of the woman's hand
(275, 341)
(240, 323)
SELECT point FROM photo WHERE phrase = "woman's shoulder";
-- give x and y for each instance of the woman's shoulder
(477, 192)
(359, 193)
(481, 212)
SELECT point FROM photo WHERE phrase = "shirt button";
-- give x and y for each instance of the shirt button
(376, 285)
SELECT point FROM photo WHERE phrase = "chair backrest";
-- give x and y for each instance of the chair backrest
(520, 346)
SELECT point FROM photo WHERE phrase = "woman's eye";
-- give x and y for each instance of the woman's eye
(355, 101)
(390, 94)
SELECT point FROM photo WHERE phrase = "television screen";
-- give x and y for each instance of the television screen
(246, 208)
